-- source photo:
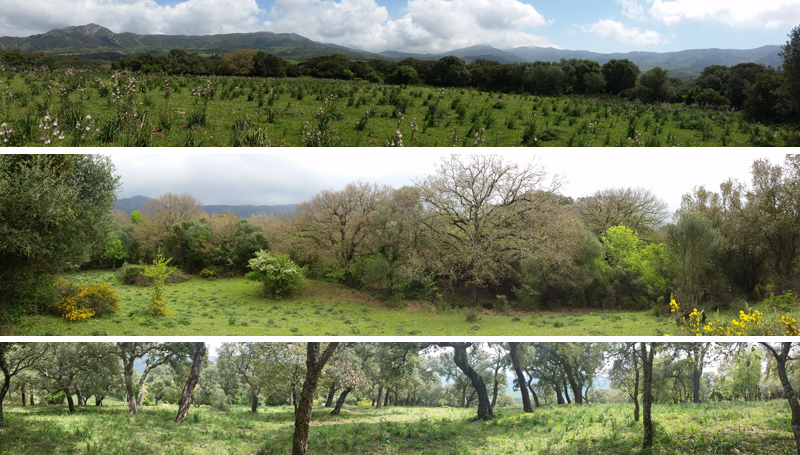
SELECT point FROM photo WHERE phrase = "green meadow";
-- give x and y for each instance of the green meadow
(709, 428)
(237, 306)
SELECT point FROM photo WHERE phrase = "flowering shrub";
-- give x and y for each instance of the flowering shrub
(749, 323)
(205, 273)
(278, 273)
(80, 303)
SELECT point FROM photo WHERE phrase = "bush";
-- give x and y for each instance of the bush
(472, 315)
(502, 304)
(82, 302)
(279, 274)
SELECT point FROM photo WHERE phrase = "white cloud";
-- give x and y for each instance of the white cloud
(632, 9)
(427, 26)
(192, 17)
(770, 14)
(608, 28)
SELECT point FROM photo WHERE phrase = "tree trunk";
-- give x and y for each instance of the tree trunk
(380, 396)
(331, 393)
(315, 362)
(24, 403)
(142, 393)
(340, 401)
(473, 295)
(526, 399)
(4, 389)
(70, 403)
(254, 402)
(791, 395)
(647, 395)
(464, 397)
(566, 393)
(535, 399)
(194, 375)
(576, 388)
(388, 394)
(462, 361)
(559, 395)
(494, 392)
(98, 400)
(31, 397)
(132, 409)
(636, 393)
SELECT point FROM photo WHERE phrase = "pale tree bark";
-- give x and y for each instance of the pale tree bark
(315, 362)
(194, 375)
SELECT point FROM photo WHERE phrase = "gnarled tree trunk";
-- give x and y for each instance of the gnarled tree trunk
(194, 375)
(340, 401)
(315, 362)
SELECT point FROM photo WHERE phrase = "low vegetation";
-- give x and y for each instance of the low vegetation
(739, 427)
(236, 306)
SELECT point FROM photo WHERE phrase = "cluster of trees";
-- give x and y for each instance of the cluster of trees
(483, 223)
(176, 226)
(477, 222)
(400, 374)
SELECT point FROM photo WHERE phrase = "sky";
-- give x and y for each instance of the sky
(295, 176)
(435, 25)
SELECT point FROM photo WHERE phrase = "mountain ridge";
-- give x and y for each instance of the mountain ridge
(129, 204)
(94, 39)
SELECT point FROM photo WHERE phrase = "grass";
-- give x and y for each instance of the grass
(139, 110)
(237, 306)
(596, 429)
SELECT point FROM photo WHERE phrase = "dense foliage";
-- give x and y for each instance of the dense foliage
(55, 212)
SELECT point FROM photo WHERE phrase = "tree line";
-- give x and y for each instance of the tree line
(458, 374)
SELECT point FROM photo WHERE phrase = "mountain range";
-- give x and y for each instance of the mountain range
(95, 41)
(130, 204)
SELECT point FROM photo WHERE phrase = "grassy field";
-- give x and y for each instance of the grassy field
(596, 429)
(237, 307)
(139, 110)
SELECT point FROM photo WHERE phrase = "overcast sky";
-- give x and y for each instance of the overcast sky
(292, 177)
(435, 25)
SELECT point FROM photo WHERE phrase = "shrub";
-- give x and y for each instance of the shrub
(206, 273)
(278, 273)
(159, 272)
(750, 322)
(80, 303)
(502, 304)
(472, 315)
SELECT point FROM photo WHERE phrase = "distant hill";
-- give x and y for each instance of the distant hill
(130, 204)
(688, 63)
(468, 54)
(95, 40)
(245, 211)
